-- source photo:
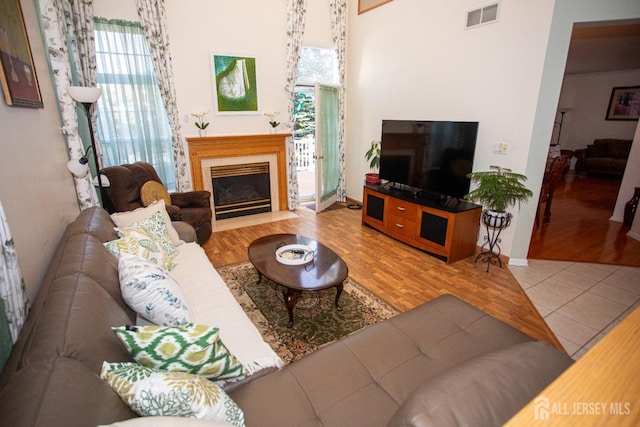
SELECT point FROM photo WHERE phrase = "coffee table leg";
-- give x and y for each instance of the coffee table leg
(259, 278)
(290, 299)
(338, 293)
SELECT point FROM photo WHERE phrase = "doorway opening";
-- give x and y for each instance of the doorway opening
(318, 65)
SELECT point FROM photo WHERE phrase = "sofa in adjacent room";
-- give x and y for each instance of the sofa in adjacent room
(605, 156)
(442, 363)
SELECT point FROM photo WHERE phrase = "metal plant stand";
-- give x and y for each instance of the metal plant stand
(490, 250)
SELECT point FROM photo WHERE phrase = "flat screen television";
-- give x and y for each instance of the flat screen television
(431, 158)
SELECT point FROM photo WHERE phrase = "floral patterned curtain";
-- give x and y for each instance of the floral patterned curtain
(13, 297)
(338, 11)
(59, 28)
(295, 32)
(153, 19)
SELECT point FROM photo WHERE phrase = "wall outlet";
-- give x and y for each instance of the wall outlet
(500, 147)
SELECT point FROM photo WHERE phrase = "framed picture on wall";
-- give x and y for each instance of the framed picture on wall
(624, 103)
(367, 5)
(18, 76)
(235, 84)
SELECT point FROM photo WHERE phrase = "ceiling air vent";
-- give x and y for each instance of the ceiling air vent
(484, 15)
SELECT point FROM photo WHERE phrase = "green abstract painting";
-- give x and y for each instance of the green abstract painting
(236, 84)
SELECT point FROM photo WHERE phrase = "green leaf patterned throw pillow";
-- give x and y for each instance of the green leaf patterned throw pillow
(152, 393)
(142, 244)
(192, 348)
(156, 227)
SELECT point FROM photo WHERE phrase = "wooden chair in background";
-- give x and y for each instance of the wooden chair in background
(552, 175)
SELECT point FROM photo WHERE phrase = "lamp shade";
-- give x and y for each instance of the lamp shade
(84, 94)
(78, 168)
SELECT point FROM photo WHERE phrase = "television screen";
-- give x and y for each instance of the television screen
(432, 156)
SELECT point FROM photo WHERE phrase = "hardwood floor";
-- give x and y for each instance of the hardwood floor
(580, 229)
(403, 276)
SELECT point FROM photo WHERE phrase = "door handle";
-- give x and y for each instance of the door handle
(318, 157)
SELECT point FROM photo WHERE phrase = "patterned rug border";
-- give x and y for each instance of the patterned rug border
(382, 310)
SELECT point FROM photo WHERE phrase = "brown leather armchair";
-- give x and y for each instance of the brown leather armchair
(126, 181)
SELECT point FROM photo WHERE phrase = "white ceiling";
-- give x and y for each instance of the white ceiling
(604, 47)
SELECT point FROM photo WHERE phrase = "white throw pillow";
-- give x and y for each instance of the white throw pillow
(166, 422)
(152, 393)
(151, 292)
(125, 219)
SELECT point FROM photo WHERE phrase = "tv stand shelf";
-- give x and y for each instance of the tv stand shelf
(445, 228)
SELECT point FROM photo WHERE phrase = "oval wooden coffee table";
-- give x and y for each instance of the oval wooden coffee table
(325, 271)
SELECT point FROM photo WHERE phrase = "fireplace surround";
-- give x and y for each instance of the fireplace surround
(205, 152)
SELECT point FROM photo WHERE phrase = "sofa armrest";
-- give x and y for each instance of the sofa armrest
(185, 231)
(191, 199)
(581, 155)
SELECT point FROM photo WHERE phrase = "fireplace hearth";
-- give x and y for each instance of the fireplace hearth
(241, 189)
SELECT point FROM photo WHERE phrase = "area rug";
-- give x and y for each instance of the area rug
(316, 322)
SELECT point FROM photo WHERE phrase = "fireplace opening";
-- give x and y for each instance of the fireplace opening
(240, 190)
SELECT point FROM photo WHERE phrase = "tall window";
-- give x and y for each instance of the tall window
(132, 121)
(317, 65)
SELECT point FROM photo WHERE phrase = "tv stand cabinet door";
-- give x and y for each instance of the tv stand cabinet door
(373, 208)
(435, 230)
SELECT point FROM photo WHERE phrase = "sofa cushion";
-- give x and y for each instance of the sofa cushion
(152, 393)
(368, 375)
(59, 385)
(191, 348)
(152, 292)
(76, 322)
(487, 390)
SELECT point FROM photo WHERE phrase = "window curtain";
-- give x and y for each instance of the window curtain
(67, 27)
(154, 22)
(15, 304)
(328, 121)
(295, 32)
(132, 124)
(338, 11)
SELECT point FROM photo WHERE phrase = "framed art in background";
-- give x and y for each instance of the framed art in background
(235, 83)
(18, 76)
(367, 5)
(624, 103)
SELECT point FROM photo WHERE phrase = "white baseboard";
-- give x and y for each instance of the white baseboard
(633, 235)
(519, 262)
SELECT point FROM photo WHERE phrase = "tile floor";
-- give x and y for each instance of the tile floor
(580, 302)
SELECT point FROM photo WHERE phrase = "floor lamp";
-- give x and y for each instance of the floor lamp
(87, 96)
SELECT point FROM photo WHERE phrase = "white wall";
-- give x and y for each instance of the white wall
(413, 59)
(587, 98)
(36, 189)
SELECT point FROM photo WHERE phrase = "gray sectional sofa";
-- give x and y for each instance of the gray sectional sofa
(443, 363)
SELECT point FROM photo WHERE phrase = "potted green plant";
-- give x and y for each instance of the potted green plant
(373, 157)
(498, 190)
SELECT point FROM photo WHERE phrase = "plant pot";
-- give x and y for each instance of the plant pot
(496, 219)
(372, 178)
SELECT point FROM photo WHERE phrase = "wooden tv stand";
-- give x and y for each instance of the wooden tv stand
(447, 229)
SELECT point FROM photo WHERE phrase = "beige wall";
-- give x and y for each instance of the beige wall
(36, 190)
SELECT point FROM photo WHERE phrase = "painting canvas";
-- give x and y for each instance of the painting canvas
(624, 103)
(235, 82)
(18, 76)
